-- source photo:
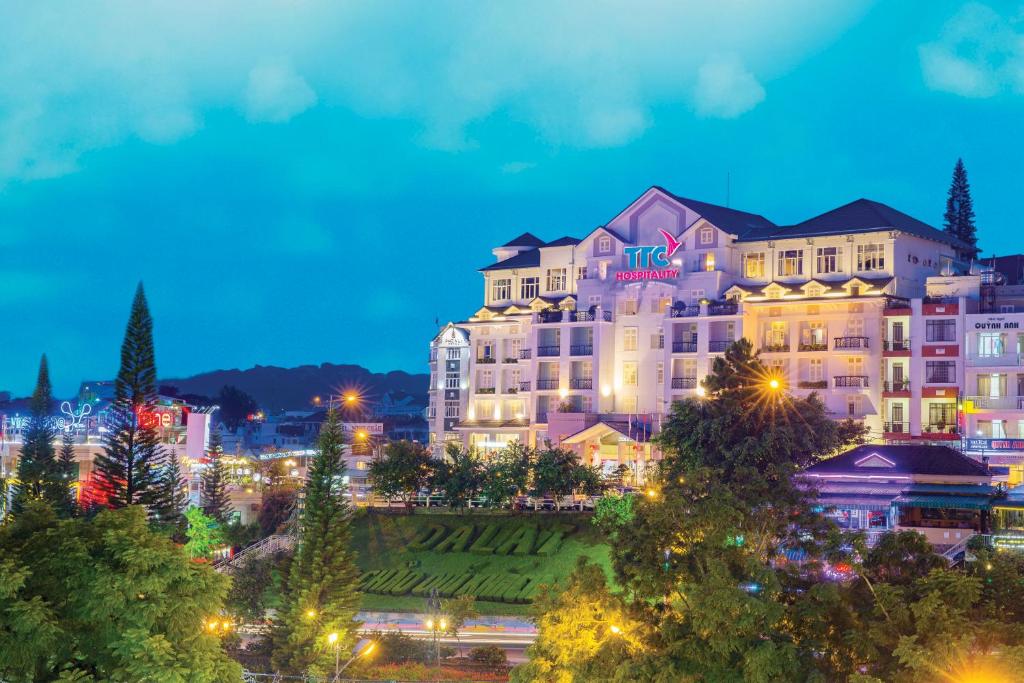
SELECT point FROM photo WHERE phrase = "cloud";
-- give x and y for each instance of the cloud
(725, 89)
(979, 53)
(517, 167)
(275, 94)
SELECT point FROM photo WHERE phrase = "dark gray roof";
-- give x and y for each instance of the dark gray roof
(525, 259)
(735, 222)
(563, 242)
(862, 215)
(525, 240)
(941, 460)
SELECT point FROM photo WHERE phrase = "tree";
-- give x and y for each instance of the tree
(216, 501)
(67, 469)
(276, 509)
(457, 612)
(506, 474)
(320, 594)
(127, 468)
(105, 599)
(460, 476)
(959, 217)
(37, 468)
(402, 472)
(204, 534)
(170, 496)
(558, 472)
(236, 406)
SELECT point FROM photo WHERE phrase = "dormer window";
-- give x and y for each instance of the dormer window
(604, 244)
(813, 291)
(707, 235)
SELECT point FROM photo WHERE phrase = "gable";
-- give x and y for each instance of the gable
(874, 460)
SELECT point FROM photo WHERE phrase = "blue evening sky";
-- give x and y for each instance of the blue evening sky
(299, 182)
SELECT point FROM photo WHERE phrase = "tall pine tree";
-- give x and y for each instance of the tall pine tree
(37, 462)
(959, 216)
(64, 494)
(216, 502)
(127, 469)
(320, 595)
(170, 496)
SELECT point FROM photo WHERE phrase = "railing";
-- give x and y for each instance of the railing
(955, 554)
(813, 346)
(684, 382)
(896, 427)
(812, 384)
(549, 317)
(939, 429)
(775, 348)
(268, 546)
(548, 351)
(524, 386)
(892, 303)
(940, 378)
(485, 390)
(511, 359)
(723, 308)
(850, 343)
(719, 345)
(900, 385)
(1001, 360)
(684, 346)
(997, 402)
(581, 349)
(486, 360)
(581, 383)
(895, 344)
(525, 354)
(939, 300)
(691, 311)
(589, 316)
(547, 384)
(512, 389)
(851, 380)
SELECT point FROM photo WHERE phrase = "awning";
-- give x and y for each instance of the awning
(856, 502)
(951, 502)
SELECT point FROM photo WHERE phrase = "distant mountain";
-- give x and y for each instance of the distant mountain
(277, 388)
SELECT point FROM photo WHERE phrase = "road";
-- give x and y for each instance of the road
(512, 634)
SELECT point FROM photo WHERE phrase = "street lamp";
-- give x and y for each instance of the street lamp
(773, 384)
(365, 651)
(332, 639)
(615, 629)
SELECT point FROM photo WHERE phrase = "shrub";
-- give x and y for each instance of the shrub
(489, 655)
(551, 545)
(428, 538)
(481, 546)
(457, 541)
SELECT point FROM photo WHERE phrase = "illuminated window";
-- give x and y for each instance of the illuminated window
(556, 279)
(581, 273)
(529, 287)
(661, 373)
(829, 259)
(629, 338)
(709, 262)
(604, 244)
(707, 235)
(629, 373)
(451, 408)
(501, 290)
(791, 262)
(753, 265)
(451, 380)
(871, 256)
(658, 339)
(629, 404)
(816, 370)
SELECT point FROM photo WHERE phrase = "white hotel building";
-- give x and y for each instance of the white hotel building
(587, 342)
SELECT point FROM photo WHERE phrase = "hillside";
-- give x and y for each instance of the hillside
(276, 388)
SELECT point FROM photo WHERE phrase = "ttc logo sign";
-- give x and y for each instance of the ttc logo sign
(653, 256)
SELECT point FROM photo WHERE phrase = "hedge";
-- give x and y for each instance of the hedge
(428, 538)
(508, 588)
(480, 545)
(457, 541)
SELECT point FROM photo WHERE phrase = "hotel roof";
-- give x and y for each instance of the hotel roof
(525, 240)
(891, 459)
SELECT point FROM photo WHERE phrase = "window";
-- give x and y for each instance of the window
(432, 408)
(708, 262)
(556, 279)
(629, 338)
(629, 404)
(581, 272)
(594, 300)
(661, 373)
(991, 344)
(707, 235)
(816, 370)
(658, 339)
(753, 265)
(942, 414)
(451, 381)
(453, 354)
(451, 408)
(940, 371)
(696, 296)
(628, 306)
(660, 304)
(992, 385)
(871, 256)
(993, 429)
(529, 287)
(855, 366)
(813, 291)
(1006, 308)
(791, 262)
(940, 330)
(604, 244)
(486, 379)
(854, 405)
(829, 259)
(629, 373)
(501, 290)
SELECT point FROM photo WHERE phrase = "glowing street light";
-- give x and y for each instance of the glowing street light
(701, 392)
(615, 629)
(773, 383)
(311, 614)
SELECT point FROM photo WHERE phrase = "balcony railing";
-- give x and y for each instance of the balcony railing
(684, 382)
(898, 385)
(891, 303)
(546, 384)
(511, 359)
(812, 346)
(851, 381)
(993, 360)
(775, 347)
(997, 402)
(684, 346)
(525, 354)
(581, 349)
(485, 390)
(524, 386)
(939, 429)
(548, 351)
(940, 378)
(895, 344)
(549, 317)
(690, 311)
(719, 345)
(896, 427)
(486, 360)
(845, 343)
(590, 316)
(581, 383)
(514, 389)
(723, 308)
(812, 384)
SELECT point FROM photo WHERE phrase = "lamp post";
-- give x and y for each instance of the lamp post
(365, 651)
(332, 639)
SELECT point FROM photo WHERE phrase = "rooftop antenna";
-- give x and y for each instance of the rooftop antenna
(728, 183)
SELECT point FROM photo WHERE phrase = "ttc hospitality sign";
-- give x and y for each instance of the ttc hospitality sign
(651, 262)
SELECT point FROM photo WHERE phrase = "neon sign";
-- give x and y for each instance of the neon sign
(160, 418)
(651, 262)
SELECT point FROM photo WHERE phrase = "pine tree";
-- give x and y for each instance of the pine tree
(126, 470)
(37, 464)
(320, 594)
(170, 494)
(216, 502)
(959, 216)
(64, 496)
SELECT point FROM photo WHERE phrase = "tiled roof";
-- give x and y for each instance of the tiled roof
(563, 242)
(736, 222)
(526, 259)
(525, 240)
(936, 460)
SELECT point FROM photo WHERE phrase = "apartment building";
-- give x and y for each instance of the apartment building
(588, 341)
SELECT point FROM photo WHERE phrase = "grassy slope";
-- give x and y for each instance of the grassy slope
(382, 540)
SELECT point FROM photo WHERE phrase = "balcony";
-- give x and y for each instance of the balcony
(549, 317)
(524, 386)
(548, 351)
(513, 389)
(547, 384)
(486, 360)
(511, 359)
(525, 354)
(684, 382)
(581, 383)
(777, 347)
(590, 316)
(896, 345)
(723, 308)
(581, 350)
(896, 428)
(485, 390)
(896, 386)
(850, 381)
(940, 378)
(812, 384)
(945, 432)
(691, 311)
(850, 343)
(993, 360)
(719, 345)
(813, 346)
(684, 346)
(997, 402)
(896, 307)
